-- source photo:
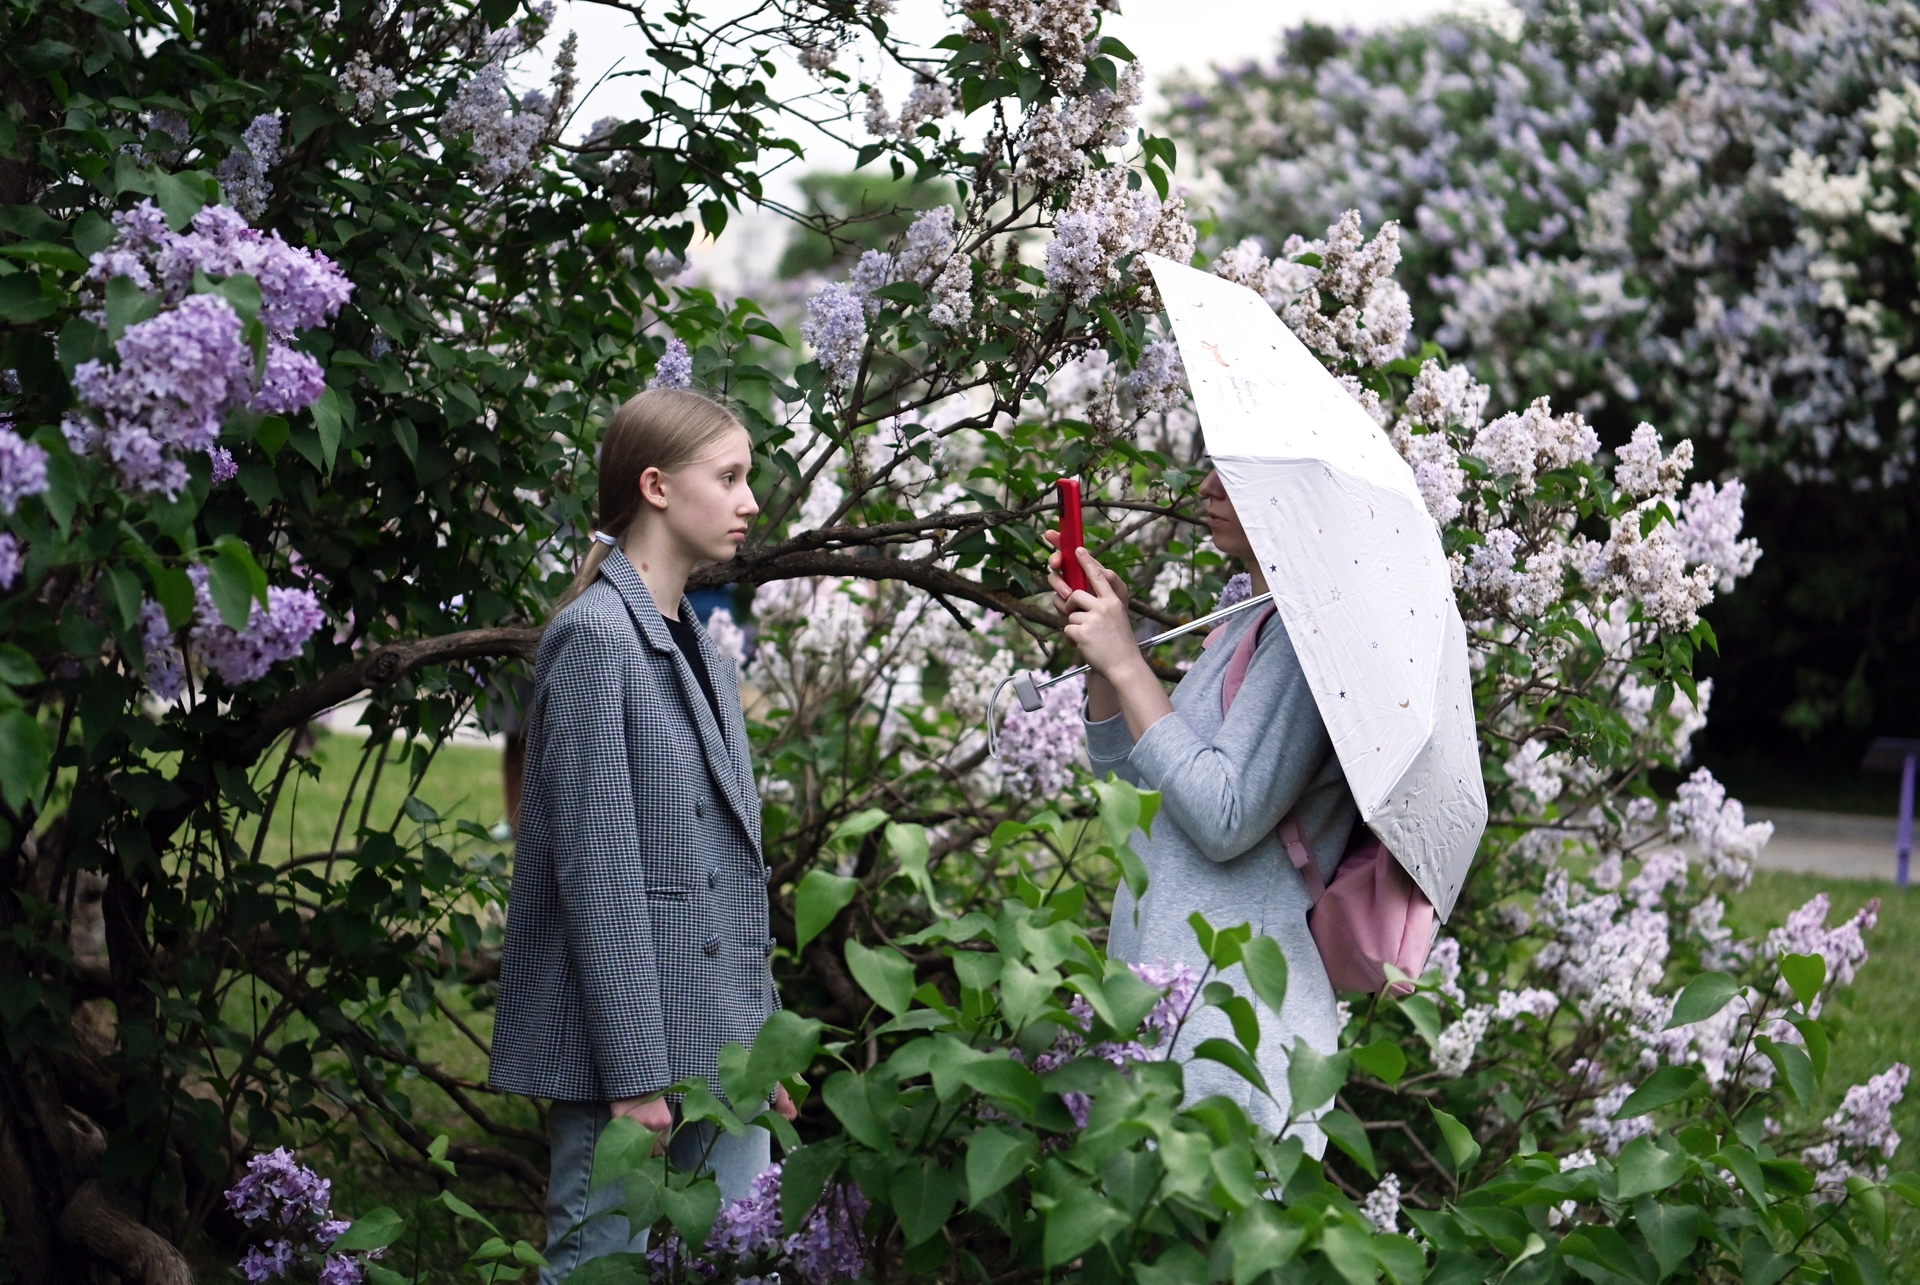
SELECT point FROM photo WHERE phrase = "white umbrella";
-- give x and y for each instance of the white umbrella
(1356, 569)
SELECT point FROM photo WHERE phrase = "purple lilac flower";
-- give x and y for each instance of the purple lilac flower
(676, 367)
(243, 175)
(827, 1248)
(299, 289)
(293, 381)
(264, 1264)
(1239, 589)
(836, 326)
(343, 1269)
(177, 374)
(223, 466)
(1038, 751)
(23, 469)
(166, 667)
(276, 1178)
(12, 559)
(272, 635)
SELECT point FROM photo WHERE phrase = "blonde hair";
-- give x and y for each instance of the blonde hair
(663, 428)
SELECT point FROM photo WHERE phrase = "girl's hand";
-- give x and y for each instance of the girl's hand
(1120, 588)
(648, 1113)
(783, 1103)
(1097, 621)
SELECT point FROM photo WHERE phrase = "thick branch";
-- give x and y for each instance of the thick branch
(136, 1253)
(376, 669)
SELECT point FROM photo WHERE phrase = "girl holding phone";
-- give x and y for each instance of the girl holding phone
(1239, 746)
(637, 942)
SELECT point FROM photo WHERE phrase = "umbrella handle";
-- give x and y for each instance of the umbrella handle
(1027, 685)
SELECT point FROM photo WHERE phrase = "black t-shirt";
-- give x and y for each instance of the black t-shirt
(689, 643)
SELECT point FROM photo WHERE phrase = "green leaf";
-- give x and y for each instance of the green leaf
(859, 825)
(845, 1094)
(1350, 1136)
(1079, 1220)
(1236, 1059)
(24, 756)
(817, 900)
(1794, 1065)
(693, 1208)
(908, 843)
(995, 1157)
(180, 197)
(784, 1047)
(1266, 968)
(1817, 1046)
(1313, 1077)
(462, 1209)
(924, 1192)
(1405, 1261)
(1425, 1016)
(17, 666)
(1806, 974)
(1605, 1247)
(235, 582)
(1180, 1265)
(374, 1230)
(173, 590)
(1704, 996)
(804, 1176)
(1462, 1150)
(1262, 1241)
(884, 974)
(23, 300)
(1671, 1231)
(1382, 1059)
(327, 417)
(1645, 1167)
(1239, 1011)
(1350, 1250)
(1667, 1085)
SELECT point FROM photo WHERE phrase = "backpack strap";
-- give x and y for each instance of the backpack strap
(1302, 858)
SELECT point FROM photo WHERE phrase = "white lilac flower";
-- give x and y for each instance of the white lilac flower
(243, 175)
(1382, 1205)
(1492, 571)
(1446, 397)
(1658, 872)
(1537, 772)
(1728, 845)
(1534, 441)
(1709, 532)
(370, 85)
(1609, 1133)
(879, 120)
(1650, 568)
(505, 139)
(1453, 1051)
(1643, 472)
(1843, 946)
(929, 100)
(675, 368)
(1090, 235)
(1159, 378)
(952, 294)
(822, 502)
(729, 639)
(1444, 958)
(836, 326)
(1863, 1125)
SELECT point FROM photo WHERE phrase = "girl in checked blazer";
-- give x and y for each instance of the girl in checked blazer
(637, 940)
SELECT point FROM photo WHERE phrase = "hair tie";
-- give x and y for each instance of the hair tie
(611, 541)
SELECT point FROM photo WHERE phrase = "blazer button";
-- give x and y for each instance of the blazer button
(771, 943)
(766, 876)
(699, 807)
(713, 878)
(711, 947)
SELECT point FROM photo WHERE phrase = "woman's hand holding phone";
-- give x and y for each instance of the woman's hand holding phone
(1099, 625)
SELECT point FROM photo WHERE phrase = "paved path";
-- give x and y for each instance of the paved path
(1839, 844)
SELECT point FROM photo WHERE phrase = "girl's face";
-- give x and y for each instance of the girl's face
(1228, 535)
(707, 505)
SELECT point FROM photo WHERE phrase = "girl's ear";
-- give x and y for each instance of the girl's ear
(653, 488)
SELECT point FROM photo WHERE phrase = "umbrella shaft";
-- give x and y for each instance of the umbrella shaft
(1168, 636)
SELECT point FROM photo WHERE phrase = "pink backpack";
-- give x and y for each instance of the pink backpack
(1373, 914)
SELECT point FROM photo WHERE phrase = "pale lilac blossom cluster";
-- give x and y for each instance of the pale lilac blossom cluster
(1862, 1126)
(1349, 308)
(1104, 221)
(274, 633)
(1158, 381)
(836, 326)
(508, 138)
(243, 175)
(23, 469)
(166, 667)
(675, 368)
(1039, 751)
(180, 373)
(1382, 1205)
(1843, 946)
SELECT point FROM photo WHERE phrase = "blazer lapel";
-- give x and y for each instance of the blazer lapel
(721, 764)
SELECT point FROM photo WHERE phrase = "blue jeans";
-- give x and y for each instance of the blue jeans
(575, 1128)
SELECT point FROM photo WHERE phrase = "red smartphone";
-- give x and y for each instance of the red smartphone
(1072, 537)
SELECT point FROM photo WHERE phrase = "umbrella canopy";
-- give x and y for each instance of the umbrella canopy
(1356, 568)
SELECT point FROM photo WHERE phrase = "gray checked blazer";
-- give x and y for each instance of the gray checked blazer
(637, 939)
